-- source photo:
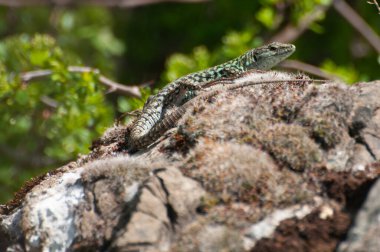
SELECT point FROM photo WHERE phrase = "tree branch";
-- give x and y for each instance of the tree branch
(375, 3)
(291, 33)
(108, 3)
(358, 23)
(113, 86)
(307, 68)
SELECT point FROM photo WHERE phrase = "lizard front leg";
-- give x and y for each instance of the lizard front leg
(184, 91)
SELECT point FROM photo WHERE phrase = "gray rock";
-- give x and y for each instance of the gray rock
(267, 168)
(364, 234)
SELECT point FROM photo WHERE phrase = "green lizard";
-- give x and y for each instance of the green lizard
(183, 89)
(174, 115)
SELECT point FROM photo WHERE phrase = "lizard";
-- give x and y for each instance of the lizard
(185, 88)
(171, 119)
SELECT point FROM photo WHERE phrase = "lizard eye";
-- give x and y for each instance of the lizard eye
(254, 58)
(273, 48)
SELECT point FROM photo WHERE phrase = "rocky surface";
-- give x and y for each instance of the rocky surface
(366, 226)
(274, 167)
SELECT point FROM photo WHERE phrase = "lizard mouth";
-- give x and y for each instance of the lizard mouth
(287, 50)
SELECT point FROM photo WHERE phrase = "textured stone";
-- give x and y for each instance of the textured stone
(271, 167)
(364, 234)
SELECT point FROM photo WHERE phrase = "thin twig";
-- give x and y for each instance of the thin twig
(358, 23)
(375, 3)
(133, 91)
(291, 33)
(28, 76)
(307, 68)
(49, 102)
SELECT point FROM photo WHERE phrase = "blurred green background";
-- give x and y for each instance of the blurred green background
(49, 120)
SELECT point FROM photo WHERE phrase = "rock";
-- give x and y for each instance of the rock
(364, 235)
(276, 167)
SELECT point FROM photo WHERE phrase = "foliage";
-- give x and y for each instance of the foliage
(125, 104)
(78, 31)
(345, 73)
(45, 121)
(236, 42)
(233, 44)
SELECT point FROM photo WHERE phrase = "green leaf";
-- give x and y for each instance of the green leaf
(39, 58)
(22, 97)
(346, 73)
(266, 16)
(123, 105)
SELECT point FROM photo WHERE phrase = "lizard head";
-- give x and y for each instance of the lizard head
(266, 57)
